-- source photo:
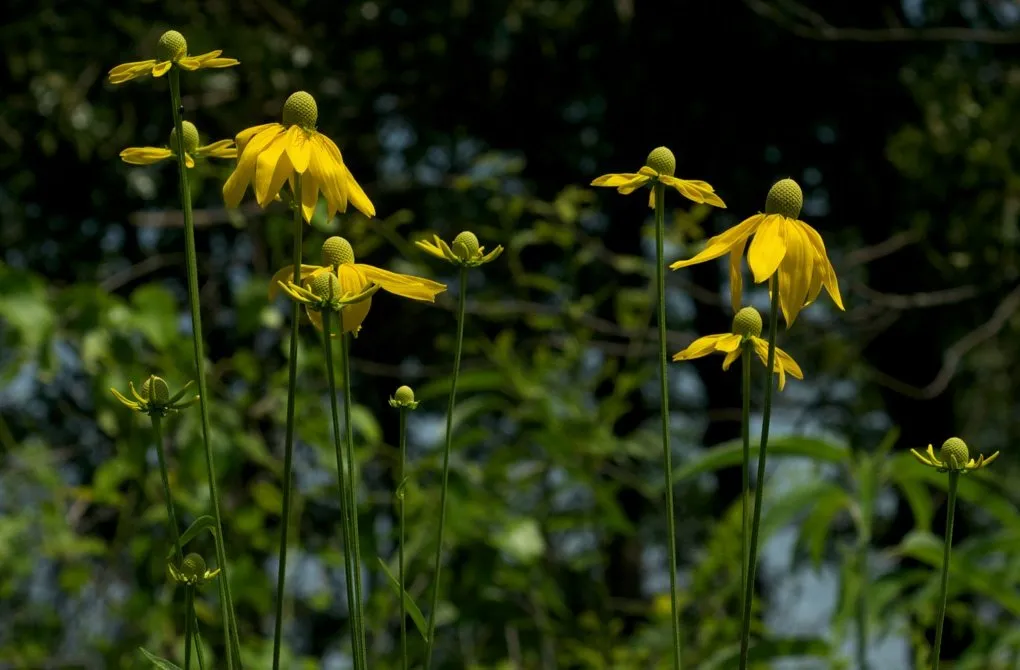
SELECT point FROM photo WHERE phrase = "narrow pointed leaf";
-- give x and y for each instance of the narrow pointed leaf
(160, 663)
(412, 608)
(201, 523)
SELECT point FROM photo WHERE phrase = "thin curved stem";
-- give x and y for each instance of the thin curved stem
(171, 516)
(189, 608)
(954, 480)
(342, 484)
(197, 637)
(434, 605)
(230, 637)
(401, 490)
(759, 487)
(745, 429)
(288, 442)
(667, 458)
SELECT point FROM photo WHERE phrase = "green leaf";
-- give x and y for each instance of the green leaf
(729, 454)
(409, 605)
(815, 529)
(766, 650)
(781, 511)
(160, 663)
(201, 523)
(919, 499)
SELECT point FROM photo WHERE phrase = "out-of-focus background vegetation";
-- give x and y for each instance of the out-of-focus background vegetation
(897, 117)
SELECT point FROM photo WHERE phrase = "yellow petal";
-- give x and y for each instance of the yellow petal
(703, 346)
(352, 316)
(789, 364)
(767, 248)
(160, 69)
(244, 173)
(188, 160)
(724, 242)
(615, 180)
(695, 190)
(829, 277)
(430, 248)
(287, 273)
(132, 68)
(219, 63)
(189, 63)
(220, 149)
(633, 185)
(272, 167)
(209, 55)
(407, 286)
(357, 196)
(737, 275)
(309, 196)
(298, 150)
(245, 135)
(796, 273)
(920, 457)
(144, 155)
(731, 357)
(321, 164)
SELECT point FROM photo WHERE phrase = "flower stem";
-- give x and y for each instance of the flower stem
(745, 426)
(230, 637)
(189, 609)
(352, 488)
(954, 480)
(667, 459)
(862, 609)
(434, 605)
(171, 516)
(400, 498)
(759, 488)
(288, 442)
(342, 485)
(197, 637)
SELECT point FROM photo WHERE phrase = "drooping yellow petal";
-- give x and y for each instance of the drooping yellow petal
(731, 357)
(189, 63)
(630, 187)
(617, 179)
(298, 150)
(160, 69)
(220, 149)
(789, 364)
(737, 275)
(829, 277)
(357, 197)
(286, 274)
(433, 249)
(188, 160)
(703, 346)
(784, 362)
(245, 135)
(244, 173)
(215, 63)
(131, 68)
(201, 58)
(144, 155)
(272, 168)
(321, 164)
(694, 190)
(406, 286)
(767, 248)
(796, 273)
(309, 195)
(724, 242)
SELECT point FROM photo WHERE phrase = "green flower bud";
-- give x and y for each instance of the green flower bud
(954, 453)
(190, 137)
(172, 46)
(465, 245)
(337, 251)
(747, 323)
(662, 161)
(155, 390)
(300, 110)
(404, 395)
(325, 285)
(193, 568)
(785, 198)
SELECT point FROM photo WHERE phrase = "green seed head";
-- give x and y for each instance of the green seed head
(337, 251)
(190, 137)
(786, 198)
(404, 395)
(193, 567)
(662, 161)
(300, 110)
(954, 453)
(155, 390)
(172, 46)
(465, 245)
(323, 283)
(747, 323)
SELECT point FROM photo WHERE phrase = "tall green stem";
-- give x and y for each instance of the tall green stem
(434, 605)
(862, 609)
(171, 515)
(667, 457)
(189, 609)
(197, 637)
(288, 442)
(352, 487)
(745, 429)
(752, 555)
(400, 550)
(954, 480)
(230, 637)
(342, 485)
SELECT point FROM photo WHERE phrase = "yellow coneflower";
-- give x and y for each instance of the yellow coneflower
(659, 167)
(172, 50)
(954, 455)
(274, 153)
(746, 328)
(464, 251)
(354, 279)
(150, 155)
(782, 244)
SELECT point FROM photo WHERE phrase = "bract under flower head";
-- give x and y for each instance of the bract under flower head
(403, 398)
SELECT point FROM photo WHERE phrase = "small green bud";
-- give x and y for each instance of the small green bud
(404, 395)
(747, 323)
(465, 245)
(337, 251)
(300, 110)
(324, 283)
(193, 567)
(786, 198)
(954, 453)
(155, 390)
(172, 46)
(662, 161)
(190, 137)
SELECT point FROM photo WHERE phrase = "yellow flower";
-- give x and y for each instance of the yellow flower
(354, 279)
(782, 245)
(746, 328)
(955, 456)
(155, 398)
(150, 155)
(464, 251)
(659, 167)
(274, 153)
(172, 50)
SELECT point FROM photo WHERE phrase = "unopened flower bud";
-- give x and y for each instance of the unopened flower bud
(954, 453)
(465, 245)
(156, 391)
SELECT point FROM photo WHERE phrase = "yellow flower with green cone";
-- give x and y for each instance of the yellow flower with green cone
(464, 251)
(150, 155)
(953, 456)
(273, 154)
(783, 245)
(353, 279)
(171, 50)
(746, 328)
(659, 167)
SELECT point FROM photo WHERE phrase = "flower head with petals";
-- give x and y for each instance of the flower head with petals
(463, 251)
(172, 50)
(954, 456)
(273, 154)
(150, 155)
(352, 280)
(155, 398)
(659, 168)
(783, 246)
(746, 329)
